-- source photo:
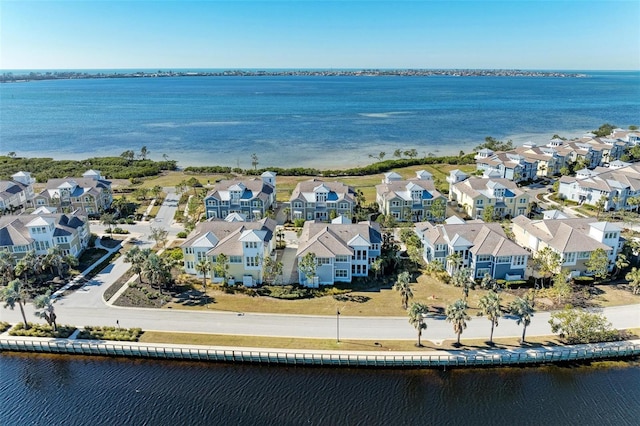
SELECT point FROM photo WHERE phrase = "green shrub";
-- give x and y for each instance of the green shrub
(120, 231)
(4, 326)
(42, 330)
(583, 280)
(110, 333)
(182, 234)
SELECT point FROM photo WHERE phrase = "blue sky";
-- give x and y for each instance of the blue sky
(575, 34)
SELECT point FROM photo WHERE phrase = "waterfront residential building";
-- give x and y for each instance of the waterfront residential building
(617, 185)
(549, 160)
(245, 244)
(409, 200)
(249, 197)
(90, 193)
(482, 247)
(24, 233)
(343, 250)
(16, 193)
(508, 165)
(574, 239)
(319, 200)
(474, 195)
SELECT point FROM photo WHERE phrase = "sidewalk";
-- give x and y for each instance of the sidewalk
(412, 359)
(82, 276)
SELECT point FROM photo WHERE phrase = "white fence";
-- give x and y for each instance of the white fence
(447, 359)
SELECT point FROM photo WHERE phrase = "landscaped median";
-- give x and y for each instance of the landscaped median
(402, 354)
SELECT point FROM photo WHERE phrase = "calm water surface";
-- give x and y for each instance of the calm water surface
(54, 390)
(304, 121)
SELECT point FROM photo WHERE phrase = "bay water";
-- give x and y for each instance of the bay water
(74, 390)
(307, 121)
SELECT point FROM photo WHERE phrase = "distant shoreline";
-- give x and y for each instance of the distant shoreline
(10, 77)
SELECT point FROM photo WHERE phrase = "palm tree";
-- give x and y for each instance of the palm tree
(490, 307)
(376, 266)
(107, 220)
(462, 278)
(137, 257)
(54, 259)
(416, 318)
(522, 308)
(15, 292)
(457, 315)
(45, 303)
(402, 285)
(454, 260)
(7, 269)
(204, 266)
(152, 269)
(634, 280)
(71, 261)
(621, 263)
(28, 263)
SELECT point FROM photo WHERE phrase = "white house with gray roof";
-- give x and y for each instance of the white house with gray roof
(17, 192)
(24, 233)
(409, 200)
(316, 199)
(90, 193)
(474, 195)
(574, 239)
(249, 197)
(245, 244)
(343, 251)
(482, 247)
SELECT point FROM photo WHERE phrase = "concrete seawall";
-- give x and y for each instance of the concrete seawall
(461, 358)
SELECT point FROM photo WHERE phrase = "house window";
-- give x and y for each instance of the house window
(323, 261)
(426, 202)
(342, 273)
(483, 258)
(481, 272)
(395, 204)
(297, 205)
(235, 259)
(343, 206)
(503, 259)
(189, 264)
(479, 202)
(518, 260)
(252, 261)
(610, 235)
(211, 202)
(584, 255)
(251, 244)
(570, 257)
(342, 259)
(522, 200)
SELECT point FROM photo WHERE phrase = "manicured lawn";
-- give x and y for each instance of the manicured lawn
(344, 345)
(382, 302)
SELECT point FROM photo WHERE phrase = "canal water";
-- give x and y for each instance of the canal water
(64, 390)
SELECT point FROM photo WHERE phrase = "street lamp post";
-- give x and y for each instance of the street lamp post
(337, 325)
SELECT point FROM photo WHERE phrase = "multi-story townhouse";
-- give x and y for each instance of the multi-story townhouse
(474, 195)
(482, 247)
(24, 233)
(617, 185)
(574, 239)
(318, 200)
(409, 200)
(576, 151)
(630, 137)
(251, 198)
(16, 193)
(509, 165)
(342, 250)
(90, 193)
(548, 159)
(245, 245)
